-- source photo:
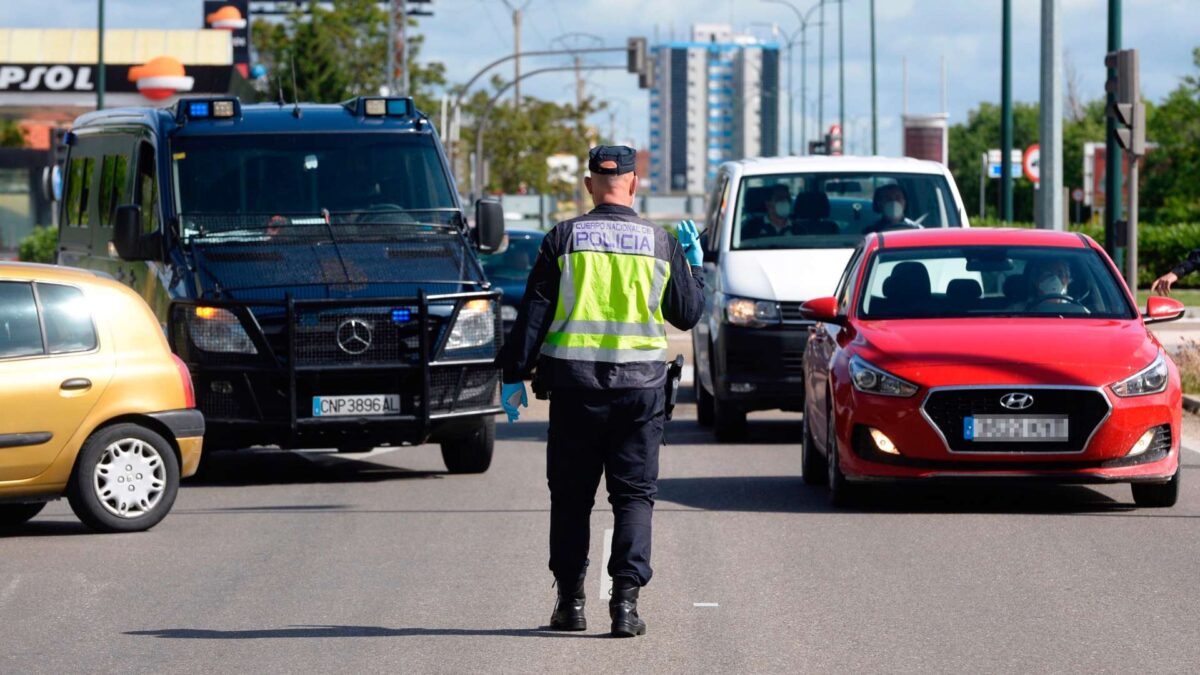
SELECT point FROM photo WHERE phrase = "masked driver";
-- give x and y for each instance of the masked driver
(890, 203)
(1050, 281)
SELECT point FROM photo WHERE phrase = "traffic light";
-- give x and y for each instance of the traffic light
(1127, 108)
(639, 63)
(833, 140)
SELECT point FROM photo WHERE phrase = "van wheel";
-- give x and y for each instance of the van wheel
(12, 515)
(471, 452)
(729, 421)
(125, 479)
(812, 464)
(1157, 495)
(704, 401)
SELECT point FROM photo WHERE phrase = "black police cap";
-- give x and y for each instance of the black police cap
(623, 156)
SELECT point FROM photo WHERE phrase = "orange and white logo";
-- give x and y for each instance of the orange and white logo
(228, 18)
(160, 78)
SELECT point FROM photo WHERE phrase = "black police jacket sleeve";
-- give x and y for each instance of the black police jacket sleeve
(1189, 265)
(519, 354)
(683, 303)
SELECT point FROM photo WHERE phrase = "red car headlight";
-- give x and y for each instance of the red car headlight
(874, 380)
(1150, 380)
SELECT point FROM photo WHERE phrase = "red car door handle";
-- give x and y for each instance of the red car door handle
(76, 384)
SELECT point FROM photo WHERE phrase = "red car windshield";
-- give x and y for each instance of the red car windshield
(991, 281)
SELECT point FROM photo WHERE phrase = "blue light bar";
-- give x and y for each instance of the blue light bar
(401, 315)
(198, 109)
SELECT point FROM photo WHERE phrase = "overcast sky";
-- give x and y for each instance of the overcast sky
(466, 34)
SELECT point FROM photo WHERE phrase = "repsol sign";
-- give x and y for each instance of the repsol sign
(45, 77)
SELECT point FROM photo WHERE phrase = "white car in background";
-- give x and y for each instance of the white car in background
(778, 231)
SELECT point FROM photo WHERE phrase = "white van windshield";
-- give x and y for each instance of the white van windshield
(836, 210)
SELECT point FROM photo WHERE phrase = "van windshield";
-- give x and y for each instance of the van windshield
(836, 210)
(261, 181)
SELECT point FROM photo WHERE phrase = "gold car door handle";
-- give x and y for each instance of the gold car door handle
(76, 384)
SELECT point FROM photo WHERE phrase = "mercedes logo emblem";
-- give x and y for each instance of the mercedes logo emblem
(1016, 401)
(354, 336)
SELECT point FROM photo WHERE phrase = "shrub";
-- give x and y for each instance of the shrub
(1187, 359)
(40, 246)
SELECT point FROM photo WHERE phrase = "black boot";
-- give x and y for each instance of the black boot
(568, 609)
(622, 607)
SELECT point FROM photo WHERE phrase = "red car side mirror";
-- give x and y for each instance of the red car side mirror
(824, 310)
(1160, 309)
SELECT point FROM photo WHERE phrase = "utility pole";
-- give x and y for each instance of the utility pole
(821, 70)
(874, 104)
(580, 96)
(841, 70)
(1006, 115)
(1112, 152)
(517, 13)
(100, 59)
(805, 19)
(1049, 190)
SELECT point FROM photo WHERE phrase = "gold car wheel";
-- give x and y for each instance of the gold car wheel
(129, 478)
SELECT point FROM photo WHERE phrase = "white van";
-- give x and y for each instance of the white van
(778, 232)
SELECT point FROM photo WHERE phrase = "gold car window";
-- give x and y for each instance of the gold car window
(69, 325)
(20, 334)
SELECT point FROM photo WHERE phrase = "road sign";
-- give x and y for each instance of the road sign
(1030, 162)
(1077, 194)
(994, 163)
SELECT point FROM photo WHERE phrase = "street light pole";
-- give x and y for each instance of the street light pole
(821, 69)
(1112, 152)
(841, 70)
(804, 19)
(874, 107)
(1006, 116)
(100, 58)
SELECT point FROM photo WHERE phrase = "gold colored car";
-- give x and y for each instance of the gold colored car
(93, 404)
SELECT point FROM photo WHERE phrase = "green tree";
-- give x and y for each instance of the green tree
(11, 134)
(340, 51)
(981, 132)
(517, 143)
(1170, 191)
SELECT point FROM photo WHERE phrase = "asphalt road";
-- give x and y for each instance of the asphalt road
(279, 562)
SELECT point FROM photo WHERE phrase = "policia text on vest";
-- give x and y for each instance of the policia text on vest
(593, 321)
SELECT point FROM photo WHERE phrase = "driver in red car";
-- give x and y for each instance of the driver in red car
(1050, 281)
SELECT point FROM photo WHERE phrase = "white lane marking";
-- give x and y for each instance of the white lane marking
(705, 604)
(1195, 450)
(605, 580)
(687, 376)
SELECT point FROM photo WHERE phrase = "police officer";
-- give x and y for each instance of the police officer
(594, 317)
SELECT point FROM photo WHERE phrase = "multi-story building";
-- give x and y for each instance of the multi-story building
(714, 99)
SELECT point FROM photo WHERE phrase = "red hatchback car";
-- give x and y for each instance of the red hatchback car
(989, 353)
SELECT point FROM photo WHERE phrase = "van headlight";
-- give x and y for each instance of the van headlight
(213, 329)
(474, 327)
(873, 380)
(1150, 380)
(753, 313)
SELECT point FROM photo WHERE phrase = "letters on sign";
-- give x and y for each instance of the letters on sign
(608, 236)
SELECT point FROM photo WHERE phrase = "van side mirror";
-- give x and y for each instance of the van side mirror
(489, 225)
(128, 239)
(710, 256)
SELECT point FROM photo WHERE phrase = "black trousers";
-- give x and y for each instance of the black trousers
(616, 434)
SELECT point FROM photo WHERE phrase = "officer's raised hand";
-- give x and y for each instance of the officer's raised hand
(512, 397)
(689, 239)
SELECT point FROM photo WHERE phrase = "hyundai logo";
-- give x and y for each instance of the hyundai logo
(1016, 401)
(354, 336)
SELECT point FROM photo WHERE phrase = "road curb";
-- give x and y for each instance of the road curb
(1191, 404)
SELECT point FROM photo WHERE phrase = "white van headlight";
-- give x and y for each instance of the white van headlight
(474, 327)
(753, 313)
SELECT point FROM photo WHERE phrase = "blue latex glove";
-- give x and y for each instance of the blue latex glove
(512, 396)
(689, 239)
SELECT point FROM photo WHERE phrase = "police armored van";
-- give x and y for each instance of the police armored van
(311, 264)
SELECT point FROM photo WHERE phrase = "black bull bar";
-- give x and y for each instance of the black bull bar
(293, 346)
